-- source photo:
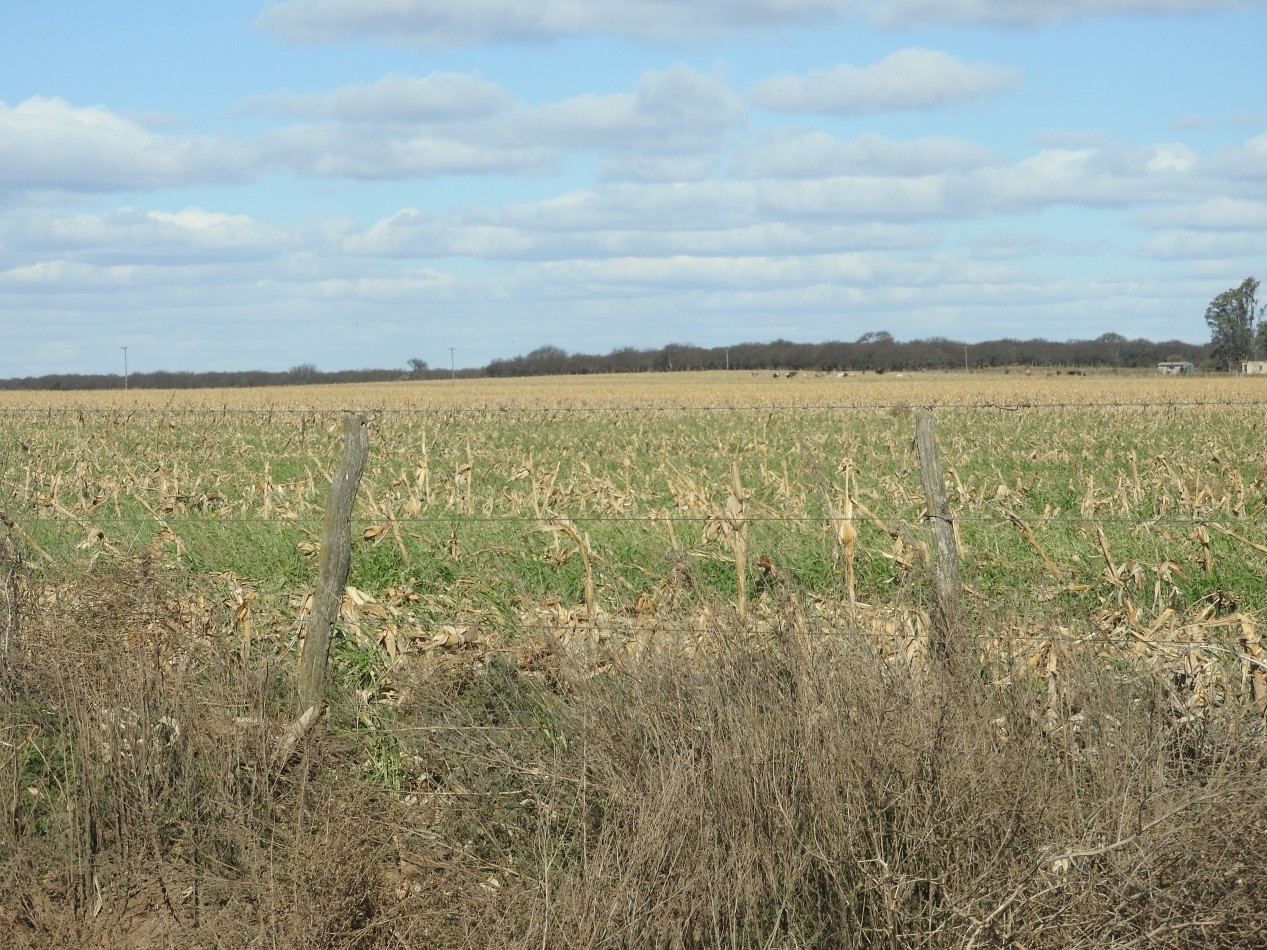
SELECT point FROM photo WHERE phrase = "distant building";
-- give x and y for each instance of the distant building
(1175, 368)
(1254, 367)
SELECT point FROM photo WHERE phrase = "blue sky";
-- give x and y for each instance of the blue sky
(354, 183)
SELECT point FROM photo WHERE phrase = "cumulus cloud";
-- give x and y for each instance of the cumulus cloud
(449, 124)
(1216, 214)
(907, 79)
(438, 97)
(907, 13)
(443, 23)
(48, 144)
(801, 154)
(1204, 245)
(411, 233)
(644, 166)
(1245, 161)
(391, 153)
(128, 235)
(669, 108)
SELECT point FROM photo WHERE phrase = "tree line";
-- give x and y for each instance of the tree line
(301, 375)
(876, 352)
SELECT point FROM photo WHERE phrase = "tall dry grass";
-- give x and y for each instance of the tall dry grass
(789, 791)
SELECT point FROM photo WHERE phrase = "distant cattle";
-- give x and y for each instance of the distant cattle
(791, 374)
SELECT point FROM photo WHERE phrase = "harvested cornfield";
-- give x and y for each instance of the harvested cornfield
(531, 556)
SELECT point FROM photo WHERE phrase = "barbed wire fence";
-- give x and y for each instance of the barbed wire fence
(131, 535)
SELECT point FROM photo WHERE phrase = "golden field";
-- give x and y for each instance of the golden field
(720, 388)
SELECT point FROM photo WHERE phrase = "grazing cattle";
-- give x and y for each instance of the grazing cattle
(776, 375)
(791, 374)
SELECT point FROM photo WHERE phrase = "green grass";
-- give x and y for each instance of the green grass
(243, 491)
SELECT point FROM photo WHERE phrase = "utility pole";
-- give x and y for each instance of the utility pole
(452, 371)
(965, 358)
(125, 366)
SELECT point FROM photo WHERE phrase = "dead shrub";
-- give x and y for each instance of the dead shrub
(812, 795)
(784, 791)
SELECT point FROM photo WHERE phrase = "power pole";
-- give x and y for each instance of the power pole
(125, 366)
(452, 371)
(965, 359)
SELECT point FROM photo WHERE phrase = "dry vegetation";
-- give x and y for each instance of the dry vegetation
(616, 670)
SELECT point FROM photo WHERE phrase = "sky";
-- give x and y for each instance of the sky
(357, 183)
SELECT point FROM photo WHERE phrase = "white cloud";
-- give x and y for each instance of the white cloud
(128, 236)
(444, 23)
(1216, 214)
(1191, 122)
(800, 154)
(412, 233)
(401, 128)
(1092, 177)
(907, 13)
(388, 153)
(1245, 161)
(1203, 245)
(46, 144)
(638, 166)
(669, 108)
(438, 97)
(1018, 245)
(907, 79)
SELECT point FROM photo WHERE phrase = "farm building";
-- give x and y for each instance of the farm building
(1254, 367)
(1175, 368)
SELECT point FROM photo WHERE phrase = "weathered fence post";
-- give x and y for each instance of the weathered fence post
(336, 557)
(10, 563)
(948, 593)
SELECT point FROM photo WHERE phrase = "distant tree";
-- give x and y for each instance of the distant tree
(875, 336)
(1231, 317)
(303, 373)
(417, 368)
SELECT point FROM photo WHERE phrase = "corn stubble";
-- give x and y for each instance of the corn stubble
(652, 676)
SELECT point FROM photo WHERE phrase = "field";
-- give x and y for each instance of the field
(551, 557)
(1123, 506)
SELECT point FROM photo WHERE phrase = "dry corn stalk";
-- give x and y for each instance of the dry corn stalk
(1254, 668)
(737, 512)
(731, 525)
(1261, 549)
(561, 524)
(1052, 715)
(1201, 535)
(846, 533)
(1028, 533)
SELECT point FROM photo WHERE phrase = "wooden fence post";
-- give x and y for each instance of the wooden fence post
(336, 557)
(10, 563)
(948, 592)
